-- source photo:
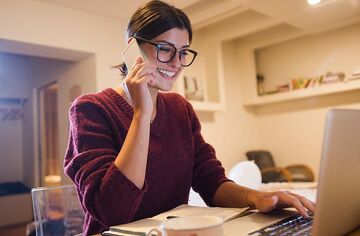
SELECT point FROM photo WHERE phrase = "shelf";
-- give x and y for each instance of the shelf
(12, 101)
(203, 82)
(207, 106)
(304, 93)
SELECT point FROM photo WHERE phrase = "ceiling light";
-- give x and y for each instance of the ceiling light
(313, 2)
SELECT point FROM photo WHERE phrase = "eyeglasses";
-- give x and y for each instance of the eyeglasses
(165, 52)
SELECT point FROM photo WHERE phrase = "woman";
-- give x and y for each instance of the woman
(134, 152)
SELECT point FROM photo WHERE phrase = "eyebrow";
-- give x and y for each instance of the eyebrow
(164, 41)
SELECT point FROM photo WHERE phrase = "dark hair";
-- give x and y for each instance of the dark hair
(153, 19)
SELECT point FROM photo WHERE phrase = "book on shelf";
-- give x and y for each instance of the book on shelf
(140, 227)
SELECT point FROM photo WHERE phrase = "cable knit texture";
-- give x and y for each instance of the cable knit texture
(178, 158)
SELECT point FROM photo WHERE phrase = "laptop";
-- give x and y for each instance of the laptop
(338, 196)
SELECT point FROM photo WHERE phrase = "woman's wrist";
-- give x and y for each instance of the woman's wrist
(251, 198)
(142, 116)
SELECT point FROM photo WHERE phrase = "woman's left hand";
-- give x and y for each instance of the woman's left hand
(268, 201)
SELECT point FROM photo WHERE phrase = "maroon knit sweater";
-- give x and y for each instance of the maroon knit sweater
(178, 159)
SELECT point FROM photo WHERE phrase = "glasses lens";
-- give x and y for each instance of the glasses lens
(166, 53)
(186, 57)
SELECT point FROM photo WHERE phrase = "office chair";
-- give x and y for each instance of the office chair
(57, 211)
(272, 173)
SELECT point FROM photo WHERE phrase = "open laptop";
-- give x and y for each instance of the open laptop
(338, 197)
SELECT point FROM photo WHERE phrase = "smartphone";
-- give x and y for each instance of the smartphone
(130, 53)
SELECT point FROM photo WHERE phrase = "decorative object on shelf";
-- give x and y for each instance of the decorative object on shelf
(260, 84)
(331, 77)
(283, 87)
(193, 89)
(11, 108)
(354, 76)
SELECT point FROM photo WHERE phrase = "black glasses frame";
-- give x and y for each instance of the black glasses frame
(158, 46)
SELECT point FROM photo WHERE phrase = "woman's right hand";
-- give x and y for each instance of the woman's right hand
(137, 80)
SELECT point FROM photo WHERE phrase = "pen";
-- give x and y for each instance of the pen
(171, 217)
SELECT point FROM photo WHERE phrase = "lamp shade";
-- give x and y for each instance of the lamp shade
(247, 174)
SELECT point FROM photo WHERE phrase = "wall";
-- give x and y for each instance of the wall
(233, 131)
(293, 131)
(39, 23)
(310, 56)
(92, 43)
(21, 74)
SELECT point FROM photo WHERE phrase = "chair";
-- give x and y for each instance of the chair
(57, 211)
(272, 173)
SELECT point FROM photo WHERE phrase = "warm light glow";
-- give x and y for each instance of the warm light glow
(53, 179)
(313, 2)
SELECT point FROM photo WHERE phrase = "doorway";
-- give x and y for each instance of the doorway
(49, 160)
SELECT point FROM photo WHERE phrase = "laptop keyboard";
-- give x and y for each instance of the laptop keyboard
(293, 225)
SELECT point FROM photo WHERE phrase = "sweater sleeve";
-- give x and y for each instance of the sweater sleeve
(105, 193)
(208, 173)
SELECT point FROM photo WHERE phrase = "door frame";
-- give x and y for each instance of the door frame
(39, 174)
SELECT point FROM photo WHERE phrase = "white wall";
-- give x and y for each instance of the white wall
(310, 55)
(293, 131)
(233, 131)
(38, 23)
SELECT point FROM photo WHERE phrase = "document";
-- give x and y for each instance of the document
(140, 227)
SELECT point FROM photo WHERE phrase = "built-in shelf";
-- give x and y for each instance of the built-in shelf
(304, 93)
(203, 82)
(208, 106)
(12, 101)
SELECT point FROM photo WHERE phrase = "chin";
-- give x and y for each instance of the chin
(165, 85)
(165, 88)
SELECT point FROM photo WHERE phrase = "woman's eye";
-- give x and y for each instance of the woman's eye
(165, 49)
(184, 53)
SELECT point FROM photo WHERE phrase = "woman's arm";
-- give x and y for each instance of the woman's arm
(132, 158)
(230, 194)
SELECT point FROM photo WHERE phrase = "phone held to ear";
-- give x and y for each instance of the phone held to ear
(130, 53)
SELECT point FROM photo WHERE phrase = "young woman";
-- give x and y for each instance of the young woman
(134, 152)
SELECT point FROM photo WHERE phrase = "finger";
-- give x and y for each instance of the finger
(134, 70)
(289, 200)
(306, 202)
(145, 72)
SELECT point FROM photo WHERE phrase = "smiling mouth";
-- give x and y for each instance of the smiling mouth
(166, 74)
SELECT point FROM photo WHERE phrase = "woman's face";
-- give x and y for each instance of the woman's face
(166, 73)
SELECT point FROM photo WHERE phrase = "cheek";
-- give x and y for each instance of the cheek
(179, 73)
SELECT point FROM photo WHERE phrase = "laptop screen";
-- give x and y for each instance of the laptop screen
(338, 198)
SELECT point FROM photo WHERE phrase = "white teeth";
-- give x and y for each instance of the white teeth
(166, 73)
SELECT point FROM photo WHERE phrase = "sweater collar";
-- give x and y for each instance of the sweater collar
(156, 125)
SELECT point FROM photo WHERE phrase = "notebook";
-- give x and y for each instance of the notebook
(140, 227)
(338, 197)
